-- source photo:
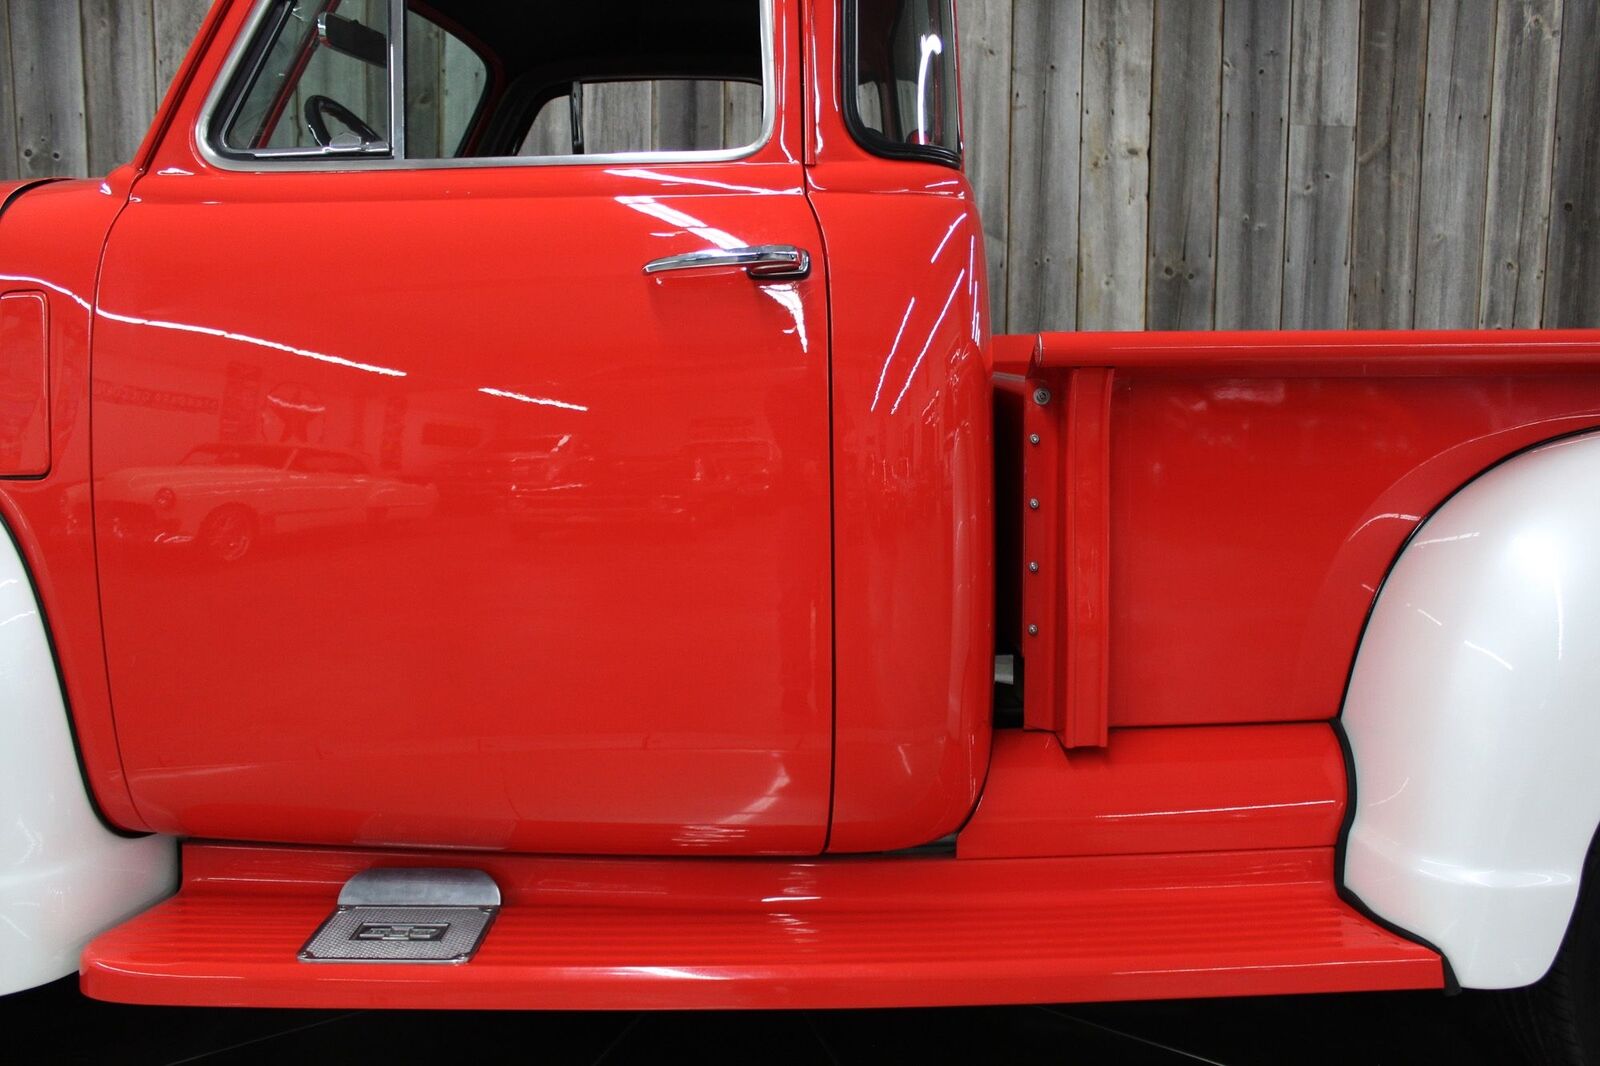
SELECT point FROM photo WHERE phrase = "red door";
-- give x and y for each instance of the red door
(583, 601)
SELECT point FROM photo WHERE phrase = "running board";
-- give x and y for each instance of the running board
(685, 934)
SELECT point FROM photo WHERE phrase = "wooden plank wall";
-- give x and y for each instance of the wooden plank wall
(1153, 164)
(1256, 164)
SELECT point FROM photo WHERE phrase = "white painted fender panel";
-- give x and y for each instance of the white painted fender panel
(64, 878)
(1474, 720)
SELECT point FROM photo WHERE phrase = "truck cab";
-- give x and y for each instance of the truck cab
(553, 462)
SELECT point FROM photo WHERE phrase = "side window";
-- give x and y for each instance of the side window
(680, 115)
(319, 81)
(901, 94)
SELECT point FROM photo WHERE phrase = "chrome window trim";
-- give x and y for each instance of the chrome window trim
(274, 161)
(397, 79)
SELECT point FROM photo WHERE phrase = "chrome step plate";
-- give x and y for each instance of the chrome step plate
(407, 916)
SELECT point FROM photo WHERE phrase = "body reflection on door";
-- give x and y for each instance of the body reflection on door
(518, 546)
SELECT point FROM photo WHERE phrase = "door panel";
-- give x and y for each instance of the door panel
(584, 603)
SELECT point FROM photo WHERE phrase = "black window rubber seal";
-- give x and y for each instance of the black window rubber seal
(864, 135)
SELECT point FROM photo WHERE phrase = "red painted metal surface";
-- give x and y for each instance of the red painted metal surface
(1066, 547)
(1262, 484)
(664, 679)
(1333, 353)
(1087, 557)
(1013, 354)
(1158, 791)
(655, 935)
(50, 242)
(913, 485)
(464, 531)
(24, 384)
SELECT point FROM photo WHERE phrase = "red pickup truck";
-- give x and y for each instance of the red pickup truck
(455, 520)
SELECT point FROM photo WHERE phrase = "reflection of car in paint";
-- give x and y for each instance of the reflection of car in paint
(572, 484)
(580, 487)
(736, 467)
(225, 497)
(489, 475)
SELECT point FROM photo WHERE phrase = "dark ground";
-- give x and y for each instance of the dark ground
(1394, 1028)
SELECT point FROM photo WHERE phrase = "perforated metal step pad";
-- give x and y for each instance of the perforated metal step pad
(407, 916)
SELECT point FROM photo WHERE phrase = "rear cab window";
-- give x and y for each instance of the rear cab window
(901, 91)
(336, 84)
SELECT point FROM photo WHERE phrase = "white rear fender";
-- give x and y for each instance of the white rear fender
(64, 877)
(1473, 720)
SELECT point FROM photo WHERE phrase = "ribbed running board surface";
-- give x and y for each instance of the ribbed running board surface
(707, 934)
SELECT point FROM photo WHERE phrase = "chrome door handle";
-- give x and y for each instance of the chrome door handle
(767, 262)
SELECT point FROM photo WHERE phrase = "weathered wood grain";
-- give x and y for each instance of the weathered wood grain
(986, 107)
(1185, 139)
(1113, 210)
(1455, 146)
(1458, 183)
(1046, 117)
(424, 91)
(617, 117)
(119, 78)
(688, 116)
(1572, 276)
(1322, 163)
(177, 22)
(47, 71)
(551, 133)
(743, 114)
(8, 106)
(1255, 141)
(465, 80)
(1389, 118)
(1521, 138)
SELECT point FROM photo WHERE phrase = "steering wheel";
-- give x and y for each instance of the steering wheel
(318, 110)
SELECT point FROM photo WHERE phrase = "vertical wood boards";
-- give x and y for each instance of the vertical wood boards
(47, 69)
(688, 116)
(1389, 116)
(1572, 273)
(617, 116)
(743, 114)
(119, 73)
(551, 133)
(176, 23)
(424, 90)
(1322, 165)
(1521, 136)
(1185, 140)
(1255, 139)
(986, 34)
(1046, 117)
(8, 105)
(1455, 146)
(464, 80)
(1113, 208)
(1137, 163)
